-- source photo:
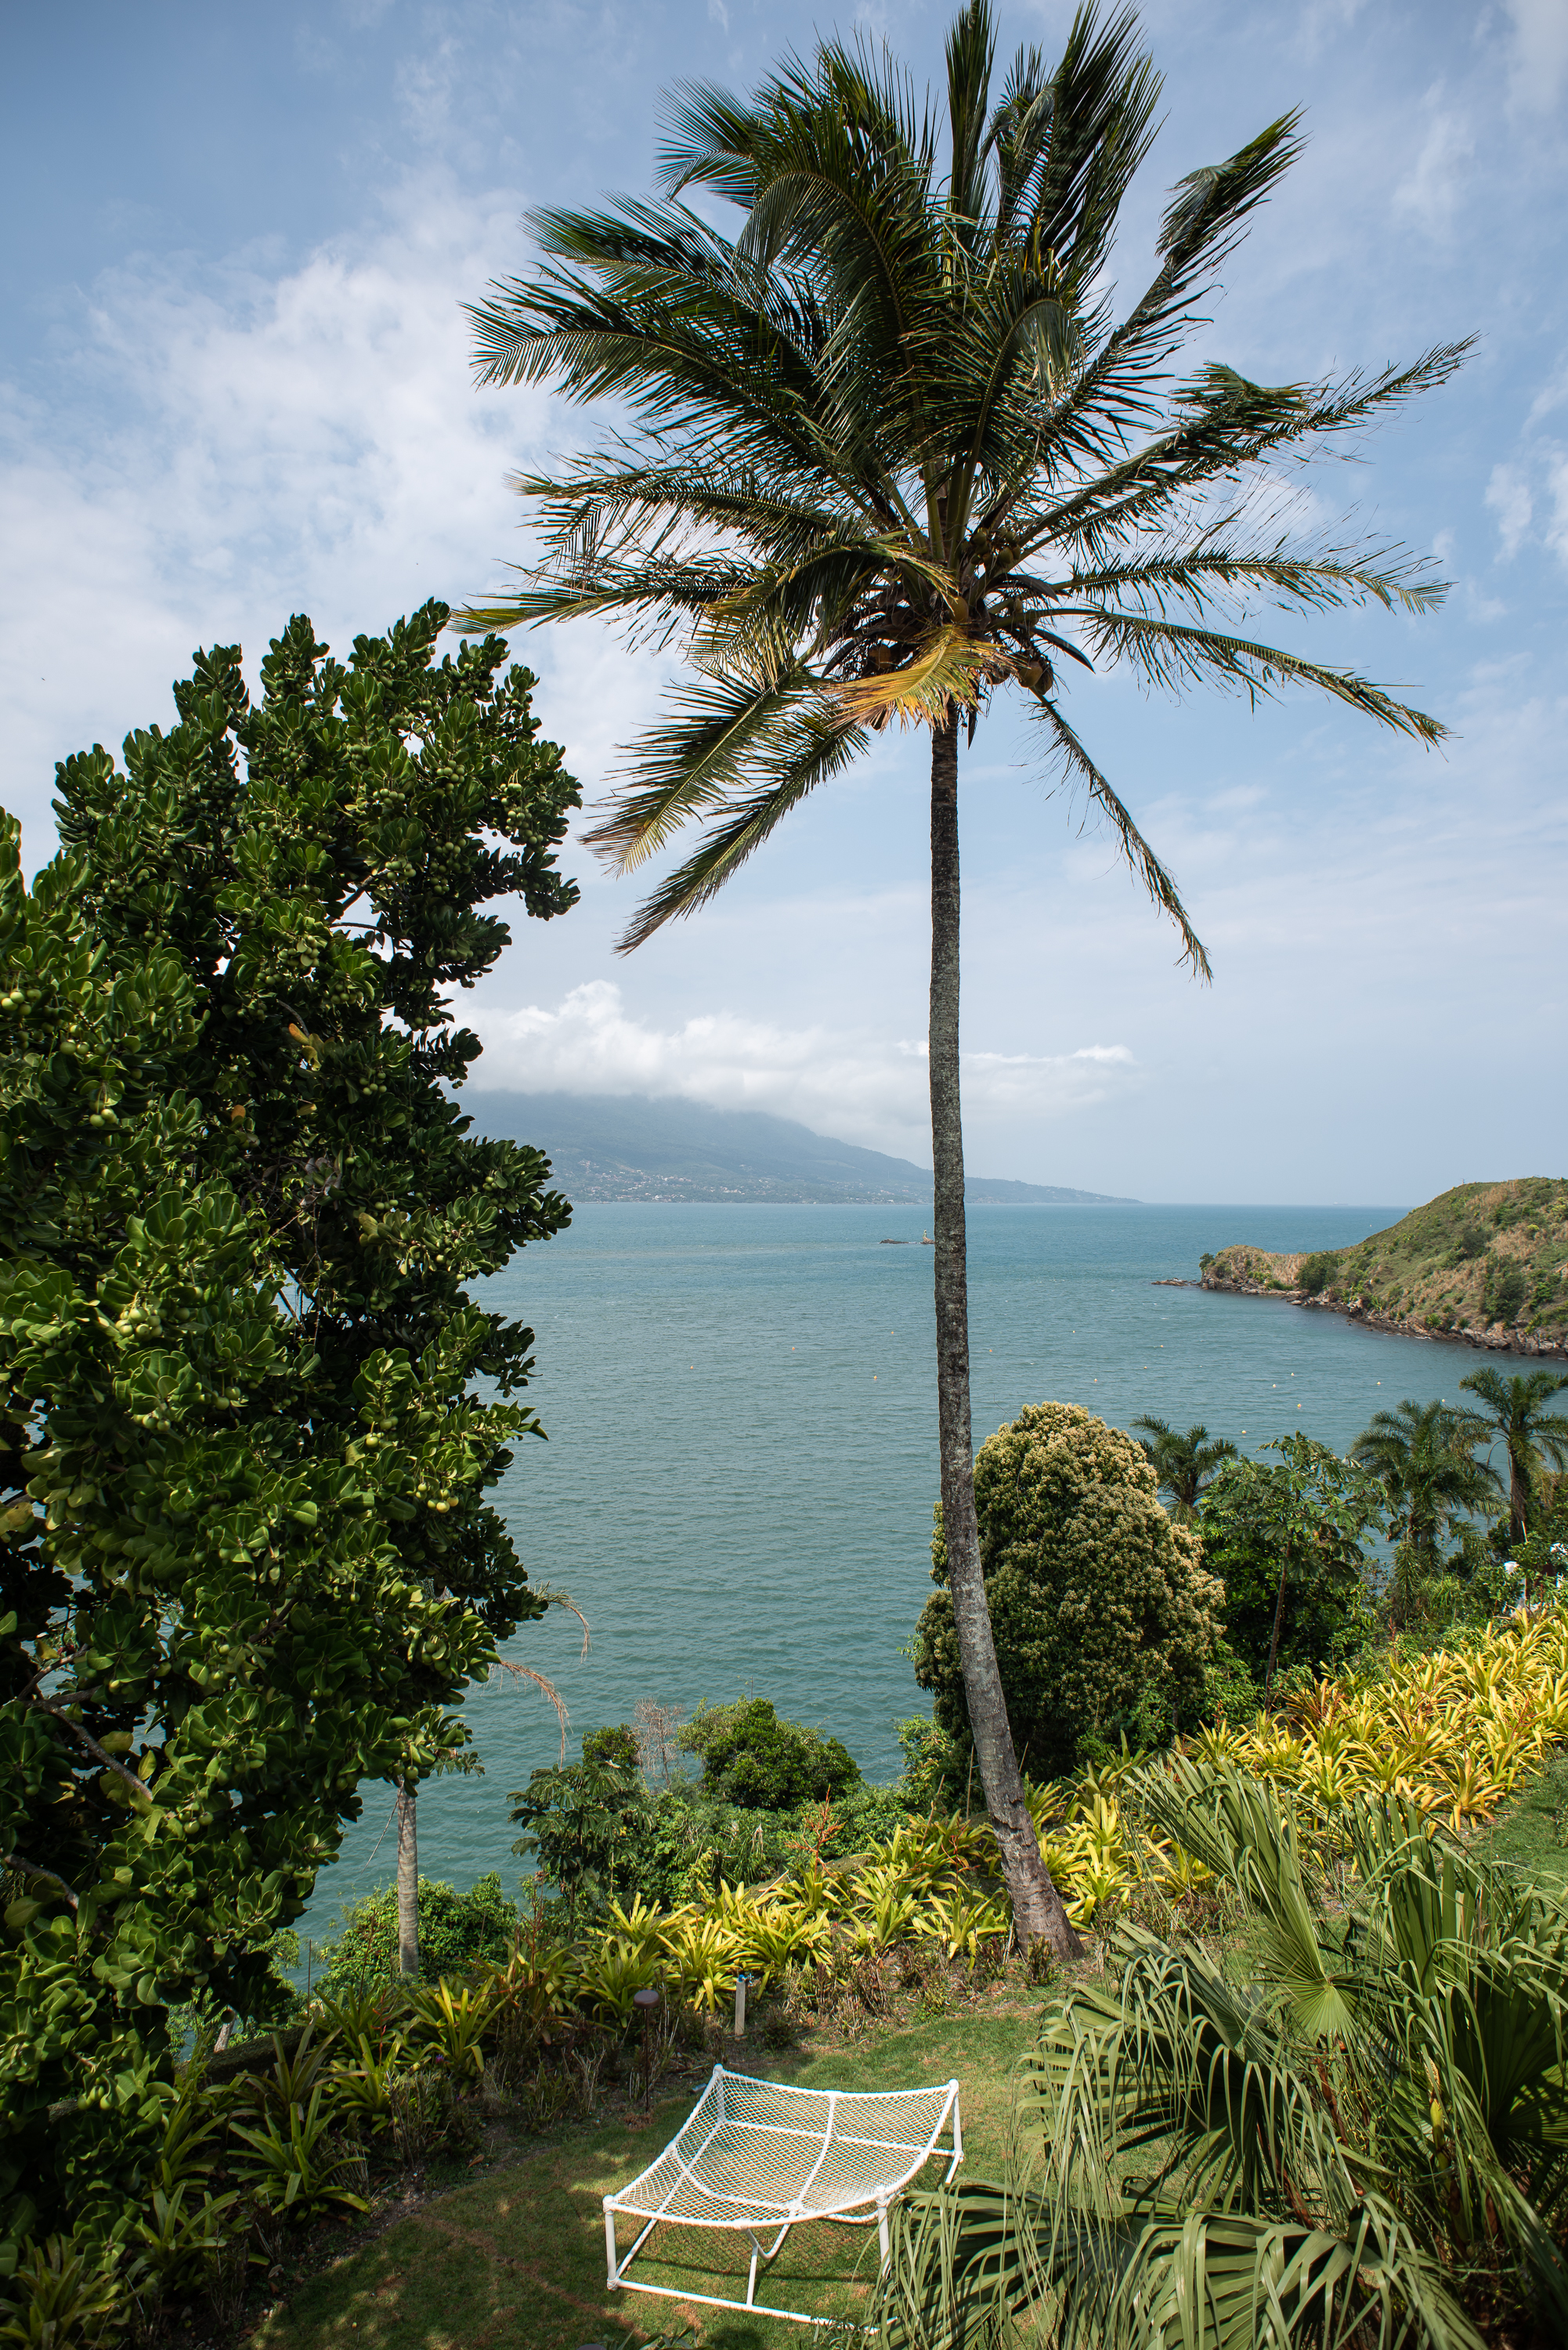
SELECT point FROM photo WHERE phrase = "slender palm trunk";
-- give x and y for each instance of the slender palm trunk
(1037, 1912)
(408, 1878)
(1518, 1492)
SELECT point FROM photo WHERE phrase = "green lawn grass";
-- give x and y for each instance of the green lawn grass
(515, 2259)
(1530, 1833)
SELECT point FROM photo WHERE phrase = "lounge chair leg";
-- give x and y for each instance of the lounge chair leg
(882, 2227)
(609, 2246)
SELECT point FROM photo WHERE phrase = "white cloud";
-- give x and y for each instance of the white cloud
(306, 440)
(1557, 483)
(1430, 191)
(1538, 59)
(1508, 497)
(860, 1087)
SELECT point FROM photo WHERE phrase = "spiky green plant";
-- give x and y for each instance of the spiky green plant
(1369, 2146)
(888, 451)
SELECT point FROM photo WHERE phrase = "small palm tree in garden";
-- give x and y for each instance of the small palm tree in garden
(885, 453)
(1516, 1415)
(1183, 1461)
(1421, 1455)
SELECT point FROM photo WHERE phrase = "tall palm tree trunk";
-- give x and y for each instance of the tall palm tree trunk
(1037, 1911)
(408, 1878)
(1518, 1491)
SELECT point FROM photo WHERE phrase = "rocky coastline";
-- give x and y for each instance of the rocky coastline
(1498, 1338)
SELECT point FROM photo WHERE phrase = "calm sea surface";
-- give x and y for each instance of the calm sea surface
(742, 1462)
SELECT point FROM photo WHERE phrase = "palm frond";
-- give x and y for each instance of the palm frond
(1297, 579)
(805, 748)
(1140, 858)
(951, 667)
(690, 763)
(1227, 425)
(1171, 655)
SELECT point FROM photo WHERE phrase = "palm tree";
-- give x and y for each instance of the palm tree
(1183, 1463)
(1516, 1414)
(883, 453)
(1420, 1454)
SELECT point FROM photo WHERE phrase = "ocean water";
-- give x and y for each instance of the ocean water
(740, 1466)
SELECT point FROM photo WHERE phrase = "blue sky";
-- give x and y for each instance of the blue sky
(233, 385)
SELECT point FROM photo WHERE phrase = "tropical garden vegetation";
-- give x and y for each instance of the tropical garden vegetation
(889, 451)
(1364, 2123)
(884, 452)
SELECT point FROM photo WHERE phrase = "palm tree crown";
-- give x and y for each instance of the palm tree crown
(1420, 1453)
(1183, 1461)
(1516, 1414)
(886, 450)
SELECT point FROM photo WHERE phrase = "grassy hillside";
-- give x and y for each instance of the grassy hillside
(1488, 1262)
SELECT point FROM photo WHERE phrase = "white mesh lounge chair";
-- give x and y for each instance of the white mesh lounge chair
(757, 2157)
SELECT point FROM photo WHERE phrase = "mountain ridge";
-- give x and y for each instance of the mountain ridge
(639, 1147)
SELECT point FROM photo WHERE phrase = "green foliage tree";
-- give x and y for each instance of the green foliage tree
(885, 453)
(1318, 1272)
(1515, 1416)
(752, 1758)
(1287, 1539)
(248, 1559)
(1421, 1456)
(1098, 1601)
(456, 1930)
(1182, 1461)
(575, 1819)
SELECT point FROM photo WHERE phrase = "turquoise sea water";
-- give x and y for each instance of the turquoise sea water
(742, 1462)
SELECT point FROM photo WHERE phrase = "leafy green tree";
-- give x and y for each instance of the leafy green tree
(1099, 1602)
(575, 1819)
(1421, 1456)
(248, 1557)
(455, 1930)
(884, 454)
(1183, 1461)
(751, 1758)
(1287, 1539)
(1516, 1418)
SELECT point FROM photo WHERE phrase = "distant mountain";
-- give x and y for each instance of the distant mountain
(627, 1147)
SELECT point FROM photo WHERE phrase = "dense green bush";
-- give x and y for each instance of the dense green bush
(1100, 1606)
(250, 1418)
(751, 1758)
(1304, 1518)
(456, 1930)
(616, 1746)
(597, 1834)
(1318, 1272)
